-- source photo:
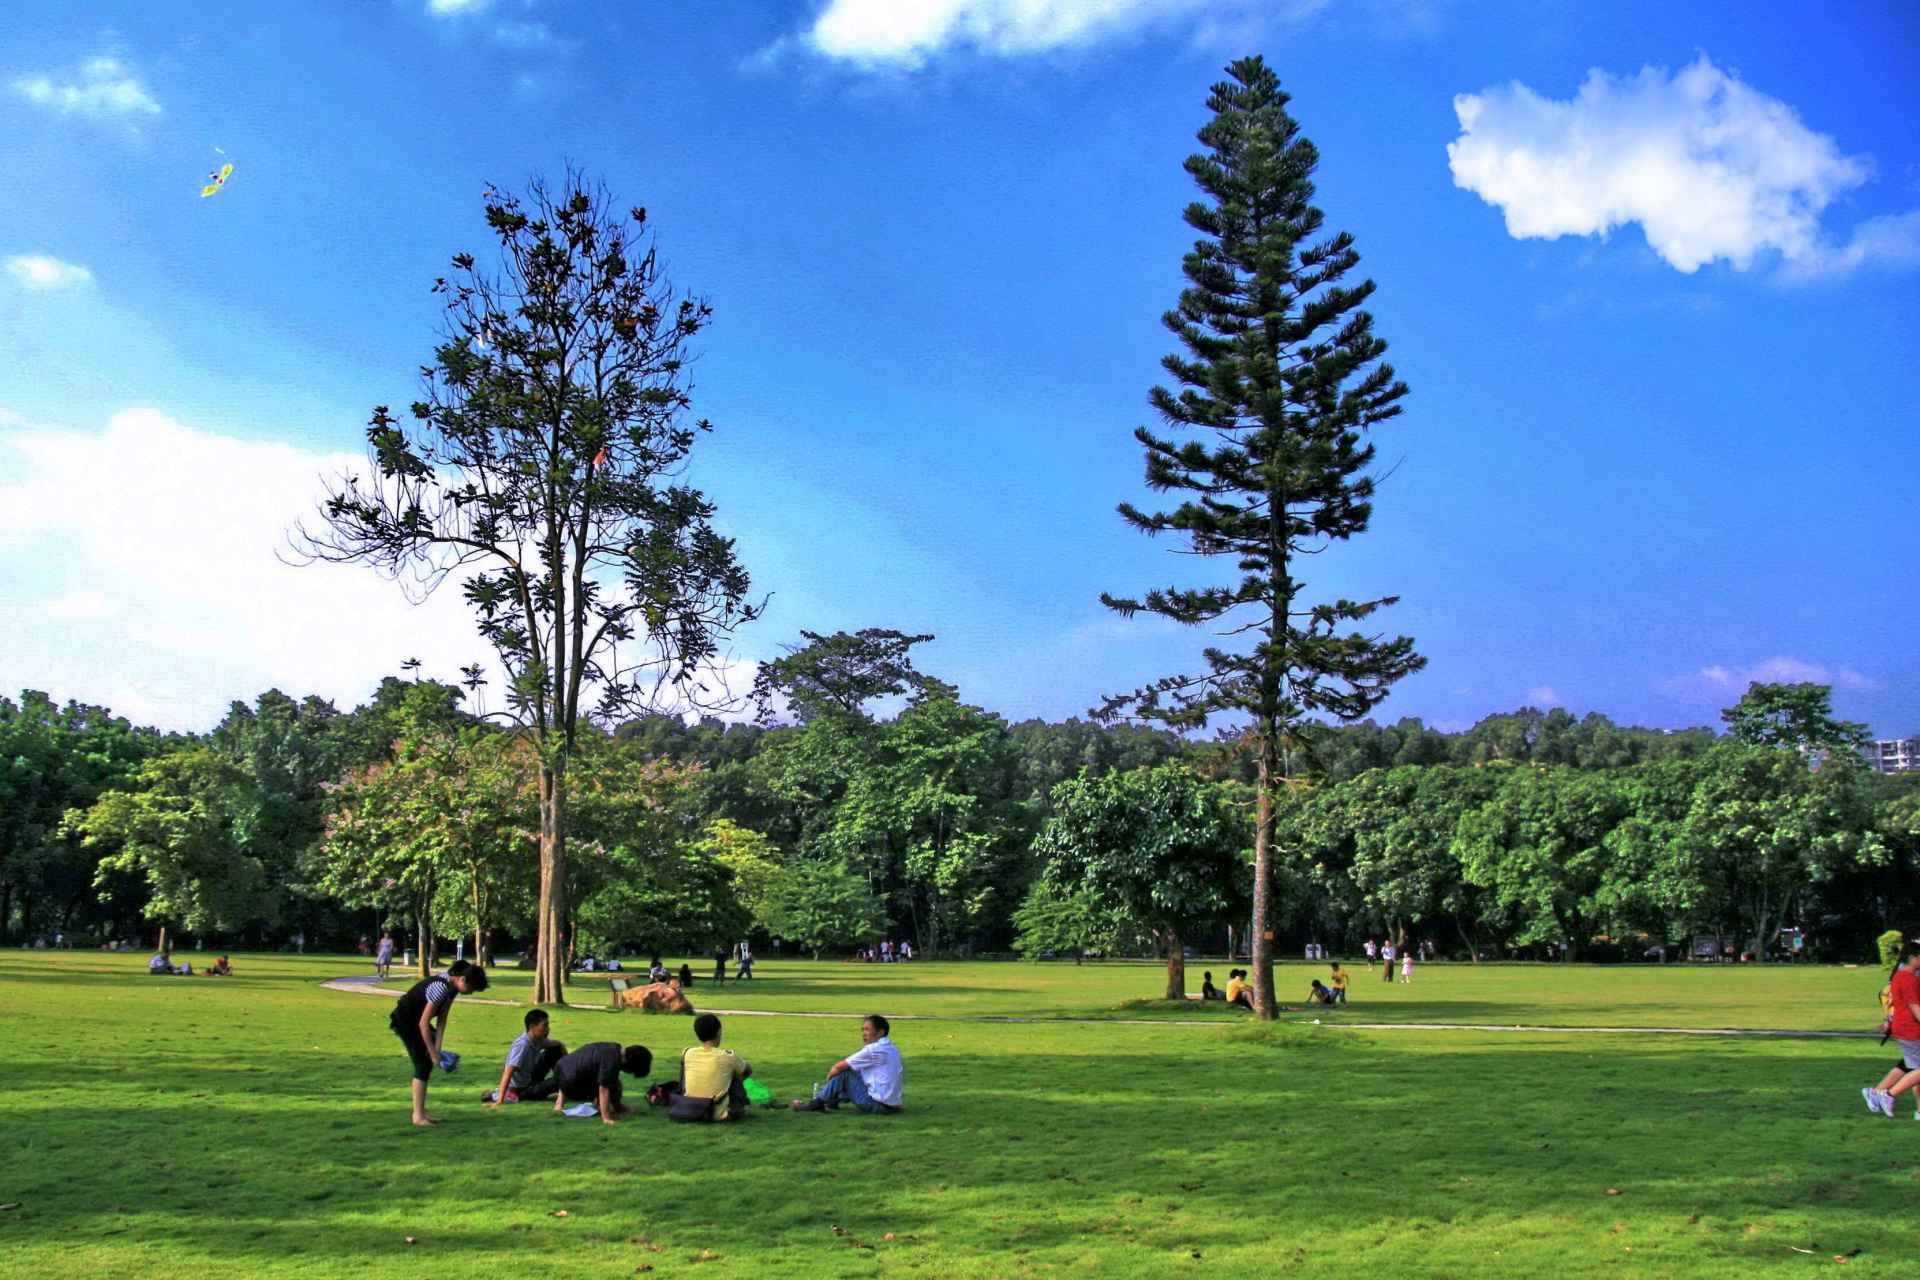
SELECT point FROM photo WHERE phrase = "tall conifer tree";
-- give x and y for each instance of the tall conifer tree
(1281, 380)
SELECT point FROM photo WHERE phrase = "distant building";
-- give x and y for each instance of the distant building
(1893, 755)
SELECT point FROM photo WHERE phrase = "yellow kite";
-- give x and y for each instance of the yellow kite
(216, 180)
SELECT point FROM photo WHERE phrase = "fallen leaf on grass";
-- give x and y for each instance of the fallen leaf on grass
(1613, 1191)
(706, 1255)
(1797, 1249)
(839, 1231)
(887, 1236)
(645, 1266)
(409, 1239)
(559, 1213)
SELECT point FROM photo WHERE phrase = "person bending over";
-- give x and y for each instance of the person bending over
(414, 1014)
(591, 1073)
(872, 1077)
(1319, 993)
(221, 969)
(708, 1071)
(530, 1059)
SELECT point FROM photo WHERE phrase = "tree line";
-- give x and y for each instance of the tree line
(941, 822)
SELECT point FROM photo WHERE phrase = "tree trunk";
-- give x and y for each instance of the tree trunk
(163, 938)
(1468, 939)
(6, 913)
(550, 962)
(1176, 966)
(425, 936)
(1265, 1007)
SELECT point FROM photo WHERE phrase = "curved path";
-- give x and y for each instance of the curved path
(368, 985)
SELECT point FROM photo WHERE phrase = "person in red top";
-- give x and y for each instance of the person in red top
(1904, 1026)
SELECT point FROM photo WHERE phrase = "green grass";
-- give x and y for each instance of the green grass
(257, 1127)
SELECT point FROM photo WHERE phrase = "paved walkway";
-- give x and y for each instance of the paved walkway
(365, 986)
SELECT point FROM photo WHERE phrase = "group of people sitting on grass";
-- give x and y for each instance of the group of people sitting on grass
(162, 963)
(1239, 990)
(712, 1083)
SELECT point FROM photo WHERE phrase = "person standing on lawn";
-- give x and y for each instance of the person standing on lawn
(427, 1001)
(720, 966)
(1903, 1025)
(872, 1077)
(383, 954)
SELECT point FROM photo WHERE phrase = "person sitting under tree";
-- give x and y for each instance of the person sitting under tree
(872, 1078)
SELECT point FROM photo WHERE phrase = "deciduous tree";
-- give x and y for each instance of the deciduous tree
(543, 463)
(1157, 848)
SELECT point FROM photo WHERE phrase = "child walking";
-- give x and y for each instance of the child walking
(427, 1001)
(1406, 967)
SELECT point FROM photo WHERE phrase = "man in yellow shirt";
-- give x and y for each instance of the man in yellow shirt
(708, 1071)
(1338, 983)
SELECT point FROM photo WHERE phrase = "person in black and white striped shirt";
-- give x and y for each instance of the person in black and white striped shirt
(427, 1001)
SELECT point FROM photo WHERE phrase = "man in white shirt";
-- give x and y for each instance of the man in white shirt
(872, 1078)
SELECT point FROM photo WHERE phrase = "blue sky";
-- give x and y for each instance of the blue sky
(1655, 306)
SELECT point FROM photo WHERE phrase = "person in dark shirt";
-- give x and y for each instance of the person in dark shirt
(591, 1073)
(686, 975)
(427, 1001)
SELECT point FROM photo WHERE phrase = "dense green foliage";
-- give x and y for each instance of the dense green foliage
(1158, 849)
(1527, 831)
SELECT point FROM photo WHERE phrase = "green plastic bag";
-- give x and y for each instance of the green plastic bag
(758, 1094)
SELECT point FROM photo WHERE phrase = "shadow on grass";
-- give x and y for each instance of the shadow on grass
(1046, 1148)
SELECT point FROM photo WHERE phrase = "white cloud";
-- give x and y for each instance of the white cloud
(138, 569)
(103, 88)
(1892, 241)
(1721, 678)
(159, 592)
(906, 33)
(1709, 167)
(454, 8)
(41, 273)
(1542, 695)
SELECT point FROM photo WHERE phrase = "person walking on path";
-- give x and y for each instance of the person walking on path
(1406, 967)
(1386, 952)
(383, 955)
(1903, 1026)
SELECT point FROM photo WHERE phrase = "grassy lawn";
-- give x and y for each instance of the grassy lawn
(257, 1127)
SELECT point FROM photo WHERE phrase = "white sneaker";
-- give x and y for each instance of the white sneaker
(1873, 1100)
(1883, 1100)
